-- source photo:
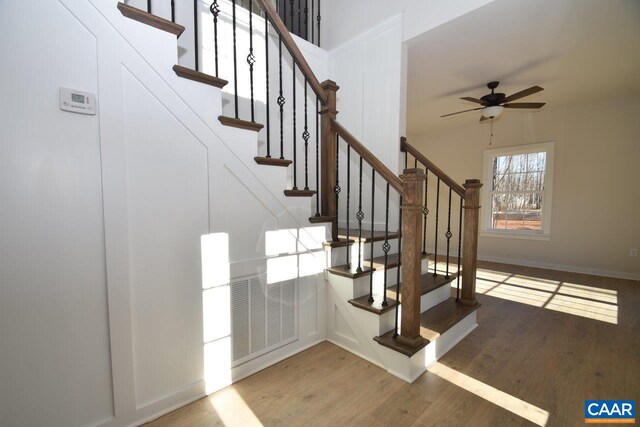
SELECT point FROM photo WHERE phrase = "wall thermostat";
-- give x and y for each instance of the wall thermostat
(77, 101)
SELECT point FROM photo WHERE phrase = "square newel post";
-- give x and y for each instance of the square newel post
(328, 156)
(413, 186)
(470, 247)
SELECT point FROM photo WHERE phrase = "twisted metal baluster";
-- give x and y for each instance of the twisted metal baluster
(215, 11)
(281, 100)
(317, 158)
(395, 333)
(313, 32)
(348, 202)
(373, 211)
(295, 135)
(448, 235)
(360, 217)
(251, 59)
(266, 68)
(459, 250)
(291, 12)
(337, 188)
(435, 252)
(195, 35)
(235, 58)
(306, 20)
(385, 248)
(305, 137)
(425, 212)
(319, 23)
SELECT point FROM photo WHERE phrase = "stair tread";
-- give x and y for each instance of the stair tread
(339, 244)
(299, 193)
(428, 283)
(239, 123)
(433, 323)
(392, 261)
(320, 219)
(378, 236)
(442, 317)
(198, 76)
(349, 271)
(375, 306)
(150, 19)
(272, 161)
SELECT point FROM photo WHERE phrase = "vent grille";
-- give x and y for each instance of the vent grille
(263, 316)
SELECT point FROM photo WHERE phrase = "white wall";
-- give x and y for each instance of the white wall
(101, 287)
(596, 199)
(343, 20)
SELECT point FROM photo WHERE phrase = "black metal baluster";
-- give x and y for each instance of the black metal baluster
(313, 29)
(348, 202)
(385, 248)
(318, 18)
(435, 252)
(215, 11)
(425, 212)
(148, 6)
(406, 155)
(305, 137)
(196, 42)
(251, 59)
(448, 234)
(395, 334)
(459, 251)
(291, 12)
(266, 69)
(173, 11)
(415, 163)
(337, 188)
(317, 158)
(281, 100)
(235, 58)
(373, 211)
(295, 135)
(306, 20)
(360, 217)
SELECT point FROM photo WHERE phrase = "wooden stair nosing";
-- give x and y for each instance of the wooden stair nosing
(272, 161)
(378, 236)
(339, 244)
(150, 19)
(240, 124)
(200, 77)
(375, 306)
(350, 272)
(434, 322)
(320, 219)
(299, 193)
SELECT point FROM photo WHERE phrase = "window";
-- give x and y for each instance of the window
(517, 191)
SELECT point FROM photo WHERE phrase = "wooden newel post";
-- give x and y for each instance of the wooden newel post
(413, 185)
(328, 156)
(470, 247)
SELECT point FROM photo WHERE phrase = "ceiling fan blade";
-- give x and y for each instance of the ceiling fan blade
(451, 114)
(525, 105)
(523, 93)
(483, 118)
(476, 100)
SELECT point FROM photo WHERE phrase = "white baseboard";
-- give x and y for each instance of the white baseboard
(352, 351)
(160, 407)
(562, 267)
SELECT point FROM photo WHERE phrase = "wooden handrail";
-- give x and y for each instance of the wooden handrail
(292, 47)
(368, 157)
(405, 146)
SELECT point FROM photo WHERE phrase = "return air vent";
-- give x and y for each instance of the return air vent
(263, 316)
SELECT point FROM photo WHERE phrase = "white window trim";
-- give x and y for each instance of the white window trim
(485, 214)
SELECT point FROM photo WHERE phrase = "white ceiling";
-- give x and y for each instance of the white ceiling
(577, 50)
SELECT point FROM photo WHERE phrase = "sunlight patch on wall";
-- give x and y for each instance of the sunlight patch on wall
(215, 260)
(491, 394)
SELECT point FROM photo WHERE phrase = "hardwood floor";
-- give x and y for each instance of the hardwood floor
(547, 341)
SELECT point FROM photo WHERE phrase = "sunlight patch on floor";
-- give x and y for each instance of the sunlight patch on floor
(569, 298)
(491, 394)
(233, 410)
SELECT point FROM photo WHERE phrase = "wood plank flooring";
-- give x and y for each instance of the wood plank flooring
(534, 351)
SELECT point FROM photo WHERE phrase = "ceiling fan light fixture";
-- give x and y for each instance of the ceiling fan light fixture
(493, 111)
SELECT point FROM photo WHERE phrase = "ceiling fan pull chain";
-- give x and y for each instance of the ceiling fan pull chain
(491, 137)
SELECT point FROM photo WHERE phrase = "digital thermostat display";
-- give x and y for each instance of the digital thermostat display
(77, 101)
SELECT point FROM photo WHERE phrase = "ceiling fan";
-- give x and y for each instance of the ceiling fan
(494, 103)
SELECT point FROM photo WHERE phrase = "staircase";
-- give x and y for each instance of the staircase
(394, 298)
